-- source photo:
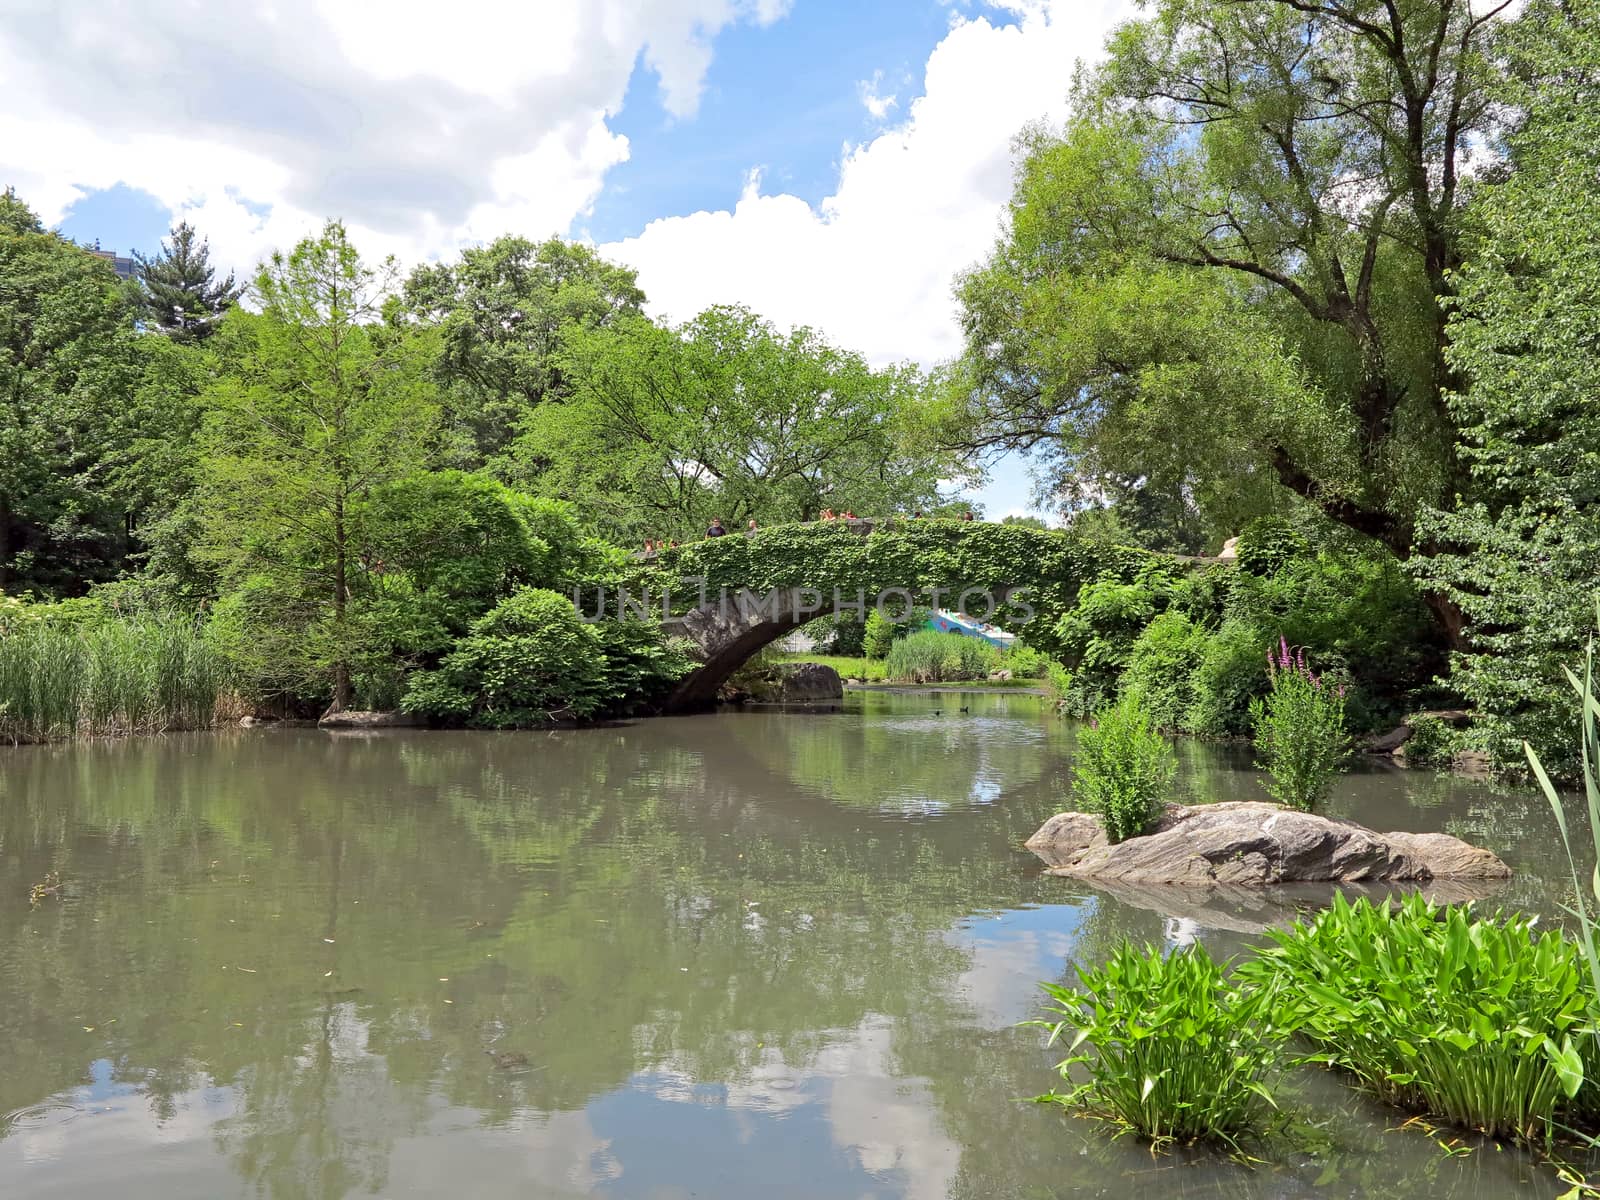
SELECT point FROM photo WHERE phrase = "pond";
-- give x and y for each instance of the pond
(753, 954)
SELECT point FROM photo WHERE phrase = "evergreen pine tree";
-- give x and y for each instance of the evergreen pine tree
(180, 295)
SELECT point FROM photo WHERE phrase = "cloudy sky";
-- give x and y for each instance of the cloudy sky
(827, 162)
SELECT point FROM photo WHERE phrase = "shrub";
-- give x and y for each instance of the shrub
(877, 635)
(1228, 675)
(934, 657)
(1268, 544)
(1299, 730)
(1482, 1022)
(528, 659)
(1123, 768)
(1180, 1053)
(1162, 667)
(1024, 662)
(640, 665)
(1432, 743)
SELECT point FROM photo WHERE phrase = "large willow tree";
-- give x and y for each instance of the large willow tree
(1225, 271)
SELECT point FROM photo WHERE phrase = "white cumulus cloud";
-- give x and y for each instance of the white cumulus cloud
(422, 126)
(426, 128)
(872, 266)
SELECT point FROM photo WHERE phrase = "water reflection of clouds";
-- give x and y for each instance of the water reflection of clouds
(843, 1123)
(1011, 951)
(86, 1136)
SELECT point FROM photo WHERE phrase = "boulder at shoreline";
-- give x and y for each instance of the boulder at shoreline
(1248, 843)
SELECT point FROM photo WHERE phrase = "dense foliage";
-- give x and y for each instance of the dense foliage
(665, 429)
(1194, 642)
(531, 659)
(1518, 551)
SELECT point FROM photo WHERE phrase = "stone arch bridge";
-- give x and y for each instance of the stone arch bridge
(731, 596)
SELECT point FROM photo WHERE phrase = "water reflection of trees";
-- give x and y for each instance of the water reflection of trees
(276, 914)
(287, 915)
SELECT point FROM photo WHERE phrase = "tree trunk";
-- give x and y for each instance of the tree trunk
(341, 665)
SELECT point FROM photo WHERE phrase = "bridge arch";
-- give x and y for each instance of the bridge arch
(731, 596)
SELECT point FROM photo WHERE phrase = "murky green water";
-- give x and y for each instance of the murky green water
(753, 955)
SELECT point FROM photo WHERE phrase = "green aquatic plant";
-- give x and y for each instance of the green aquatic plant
(1299, 730)
(1181, 1053)
(1588, 920)
(1485, 1022)
(1123, 768)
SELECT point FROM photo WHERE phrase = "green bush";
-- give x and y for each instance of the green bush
(463, 542)
(1024, 662)
(1123, 768)
(934, 657)
(1486, 1023)
(1268, 544)
(1231, 672)
(1433, 742)
(526, 661)
(1299, 730)
(640, 665)
(1180, 1053)
(877, 635)
(1162, 667)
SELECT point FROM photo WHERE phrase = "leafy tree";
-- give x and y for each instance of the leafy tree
(1521, 556)
(726, 416)
(1138, 512)
(1028, 522)
(67, 374)
(1223, 271)
(446, 546)
(501, 312)
(320, 408)
(181, 293)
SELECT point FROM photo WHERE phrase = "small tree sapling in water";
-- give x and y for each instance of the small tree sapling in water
(1123, 768)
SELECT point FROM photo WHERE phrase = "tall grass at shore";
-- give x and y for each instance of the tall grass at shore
(117, 676)
(933, 657)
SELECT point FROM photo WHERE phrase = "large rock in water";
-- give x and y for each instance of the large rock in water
(1247, 843)
(797, 683)
(356, 718)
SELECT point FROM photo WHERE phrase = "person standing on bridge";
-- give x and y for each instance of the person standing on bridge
(716, 529)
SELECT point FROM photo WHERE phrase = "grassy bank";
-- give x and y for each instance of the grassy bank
(876, 671)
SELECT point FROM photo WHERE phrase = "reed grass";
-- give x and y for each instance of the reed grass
(118, 676)
(934, 657)
(1587, 918)
(1180, 1053)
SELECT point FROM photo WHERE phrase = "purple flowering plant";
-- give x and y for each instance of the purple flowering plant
(1300, 732)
